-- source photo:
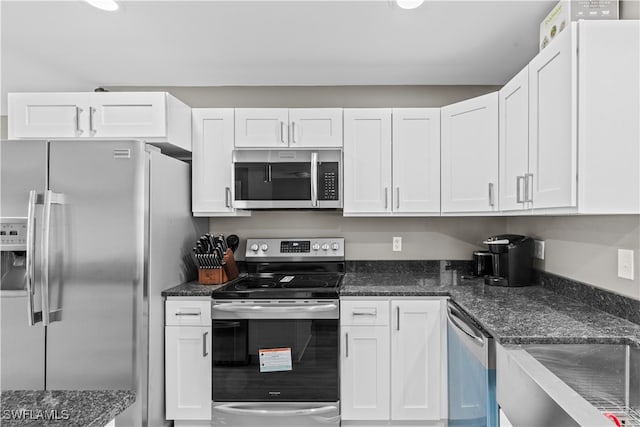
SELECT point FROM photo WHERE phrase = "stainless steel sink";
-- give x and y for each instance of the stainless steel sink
(569, 384)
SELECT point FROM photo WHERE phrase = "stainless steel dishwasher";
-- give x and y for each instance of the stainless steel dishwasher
(472, 374)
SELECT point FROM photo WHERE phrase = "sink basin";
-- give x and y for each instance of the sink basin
(569, 384)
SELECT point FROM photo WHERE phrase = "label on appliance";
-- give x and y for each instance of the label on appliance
(287, 279)
(275, 359)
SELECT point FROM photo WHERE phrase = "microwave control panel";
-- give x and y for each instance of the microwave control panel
(328, 181)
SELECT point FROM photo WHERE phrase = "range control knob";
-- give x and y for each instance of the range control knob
(315, 246)
(335, 246)
(254, 247)
(264, 247)
(325, 247)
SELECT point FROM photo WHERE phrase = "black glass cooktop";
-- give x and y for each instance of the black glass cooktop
(290, 286)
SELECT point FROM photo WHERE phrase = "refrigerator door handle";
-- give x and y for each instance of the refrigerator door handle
(50, 198)
(33, 317)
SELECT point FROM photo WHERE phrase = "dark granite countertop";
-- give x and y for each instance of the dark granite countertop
(62, 408)
(530, 314)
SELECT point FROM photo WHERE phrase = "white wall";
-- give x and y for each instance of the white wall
(585, 248)
(370, 238)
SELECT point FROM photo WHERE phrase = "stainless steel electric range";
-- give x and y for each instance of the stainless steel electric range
(276, 336)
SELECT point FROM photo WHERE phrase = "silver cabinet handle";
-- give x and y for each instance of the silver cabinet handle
(372, 312)
(188, 314)
(314, 179)
(398, 318)
(293, 132)
(50, 198)
(91, 128)
(269, 172)
(78, 111)
(397, 197)
(282, 132)
(491, 194)
(528, 195)
(204, 344)
(519, 184)
(227, 197)
(31, 248)
(346, 345)
(386, 198)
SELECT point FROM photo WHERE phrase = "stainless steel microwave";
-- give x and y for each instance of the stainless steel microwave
(282, 179)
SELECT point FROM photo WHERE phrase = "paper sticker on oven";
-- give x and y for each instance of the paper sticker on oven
(275, 359)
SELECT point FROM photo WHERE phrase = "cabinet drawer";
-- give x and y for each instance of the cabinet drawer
(188, 313)
(364, 313)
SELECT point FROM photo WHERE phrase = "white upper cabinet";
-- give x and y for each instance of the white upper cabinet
(294, 128)
(552, 179)
(367, 160)
(315, 127)
(155, 117)
(416, 160)
(609, 131)
(262, 127)
(514, 142)
(392, 161)
(211, 167)
(470, 155)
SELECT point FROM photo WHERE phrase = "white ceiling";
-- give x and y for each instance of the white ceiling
(69, 45)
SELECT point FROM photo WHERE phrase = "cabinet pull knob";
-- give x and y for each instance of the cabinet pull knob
(491, 194)
(519, 185)
(78, 111)
(346, 345)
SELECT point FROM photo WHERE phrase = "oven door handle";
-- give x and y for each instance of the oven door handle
(258, 410)
(292, 308)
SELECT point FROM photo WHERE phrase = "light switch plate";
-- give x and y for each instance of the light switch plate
(538, 249)
(397, 244)
(625, 264)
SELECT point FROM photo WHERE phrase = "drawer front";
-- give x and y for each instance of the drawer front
(370, 313)
(188, 313)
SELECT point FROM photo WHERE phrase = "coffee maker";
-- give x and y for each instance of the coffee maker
(511, 260)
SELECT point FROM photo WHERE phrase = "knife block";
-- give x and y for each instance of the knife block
(220, 275)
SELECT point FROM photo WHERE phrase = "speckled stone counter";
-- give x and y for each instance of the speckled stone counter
(191, 289)
(62, 408)
(529, 314)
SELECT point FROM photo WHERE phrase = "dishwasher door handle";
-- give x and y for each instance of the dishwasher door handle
(470, 330)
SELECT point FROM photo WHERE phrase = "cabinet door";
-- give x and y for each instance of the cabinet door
(315, 127)
(470, 155)
(262, 127)
(211, 162)
(188, 372)
(552, 121)
(367, 160)
(514, 141)
(365, 370)
(416, 160)
(127, 114)
(48, 115)
(415, 360)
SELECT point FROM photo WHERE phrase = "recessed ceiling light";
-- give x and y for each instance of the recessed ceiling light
(409, 4)
(109, 5)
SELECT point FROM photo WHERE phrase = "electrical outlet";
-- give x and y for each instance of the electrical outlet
(397, 244)
(625, 264)
(538, 249)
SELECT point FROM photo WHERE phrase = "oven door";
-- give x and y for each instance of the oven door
(266, 179)
(280, 351)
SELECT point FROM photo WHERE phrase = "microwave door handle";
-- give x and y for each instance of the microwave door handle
(33, 317)
(314, 179)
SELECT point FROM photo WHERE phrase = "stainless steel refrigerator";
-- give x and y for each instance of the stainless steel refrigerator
(92, 232)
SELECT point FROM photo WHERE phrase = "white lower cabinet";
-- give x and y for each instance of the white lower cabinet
(392, 367)
(188, 362)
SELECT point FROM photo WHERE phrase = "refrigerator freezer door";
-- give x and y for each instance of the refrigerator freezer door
(21, 346)
(95, 263)
(24, 168)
